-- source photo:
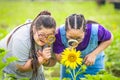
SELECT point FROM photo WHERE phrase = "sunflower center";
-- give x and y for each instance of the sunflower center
(72, 57)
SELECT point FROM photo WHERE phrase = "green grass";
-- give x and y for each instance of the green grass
(15, 13)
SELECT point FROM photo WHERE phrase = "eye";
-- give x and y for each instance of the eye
(68, 37)
(41, 35)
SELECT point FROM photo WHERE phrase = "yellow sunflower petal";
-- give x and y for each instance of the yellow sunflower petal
(71, 58)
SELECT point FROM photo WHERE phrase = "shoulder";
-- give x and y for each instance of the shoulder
(57, 33)
(93, 26)
(23, 32)
(59, 30)
(20, 42)
(22, 36)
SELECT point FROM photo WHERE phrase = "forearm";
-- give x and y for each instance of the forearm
(102, 46)
(26, 67)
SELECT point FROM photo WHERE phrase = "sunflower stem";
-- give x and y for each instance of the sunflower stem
(74, 74)
(71, 75)
(78, 71)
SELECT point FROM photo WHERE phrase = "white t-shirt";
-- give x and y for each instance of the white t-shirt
(19, 46)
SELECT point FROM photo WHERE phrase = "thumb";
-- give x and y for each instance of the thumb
(85, 58)
(39, 52)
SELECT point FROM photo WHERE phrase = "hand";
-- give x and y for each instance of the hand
(58, 57)
(46, 53)
(40, 59)
(90, 59)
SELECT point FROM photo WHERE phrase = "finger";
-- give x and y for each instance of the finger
(85, 59)
(49, 56)
(39, 51)
(38, 54)
(46, 54)
(46, 49)
(40, 59)
(92, 62)
(88, 64)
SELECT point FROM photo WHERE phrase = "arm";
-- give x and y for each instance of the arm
(58, 46)
(26, 67)
(49, 62)
(20, 50)
(58, 57)
(49, 58)
(90, 58)
(103, 45)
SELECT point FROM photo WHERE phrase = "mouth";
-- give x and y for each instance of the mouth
(42, 41)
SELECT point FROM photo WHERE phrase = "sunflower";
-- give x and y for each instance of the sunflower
(71, 58)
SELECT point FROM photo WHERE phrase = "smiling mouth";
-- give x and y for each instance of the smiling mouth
(42, 41)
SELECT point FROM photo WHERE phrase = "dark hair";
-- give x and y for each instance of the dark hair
(45, 20)
(75, 21)
(91, 22)
(79, 20)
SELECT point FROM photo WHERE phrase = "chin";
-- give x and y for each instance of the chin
(41, 44)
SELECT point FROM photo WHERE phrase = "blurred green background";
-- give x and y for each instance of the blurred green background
(16, 12)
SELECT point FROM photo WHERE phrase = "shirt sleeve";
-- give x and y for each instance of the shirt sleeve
(103, 34)
(58, 47)
(20, 50)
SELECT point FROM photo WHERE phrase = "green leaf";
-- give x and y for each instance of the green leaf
(68, 71)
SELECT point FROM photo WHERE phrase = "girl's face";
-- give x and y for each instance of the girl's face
(75, 34)
(41, 36)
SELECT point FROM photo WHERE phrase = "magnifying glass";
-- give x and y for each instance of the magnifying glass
(73, 43)
(50, 39)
